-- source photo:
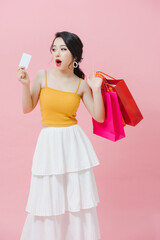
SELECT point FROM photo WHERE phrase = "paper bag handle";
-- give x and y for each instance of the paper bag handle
(104, 74)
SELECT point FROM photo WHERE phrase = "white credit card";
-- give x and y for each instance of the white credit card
(25, 60)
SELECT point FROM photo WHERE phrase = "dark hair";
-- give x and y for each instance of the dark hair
(75, 46)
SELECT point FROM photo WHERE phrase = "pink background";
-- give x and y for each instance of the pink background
(121, 38)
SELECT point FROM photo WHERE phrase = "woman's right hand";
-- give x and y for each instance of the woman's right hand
(23, 76)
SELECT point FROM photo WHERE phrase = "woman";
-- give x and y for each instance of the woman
(63, 193)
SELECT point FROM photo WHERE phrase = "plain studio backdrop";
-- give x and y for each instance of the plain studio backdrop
(121, 38)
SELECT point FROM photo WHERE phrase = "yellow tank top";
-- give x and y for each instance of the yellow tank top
(58, 108)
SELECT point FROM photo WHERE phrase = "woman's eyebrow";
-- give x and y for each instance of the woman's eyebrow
(60, 45)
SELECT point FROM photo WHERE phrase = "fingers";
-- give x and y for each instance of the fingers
(19, 68)
(22, 70)
(21, 73)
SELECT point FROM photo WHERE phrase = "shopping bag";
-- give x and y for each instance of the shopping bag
(111, 89)
(129, 109)
(112, 127)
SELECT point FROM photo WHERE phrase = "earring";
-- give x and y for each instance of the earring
(76, 64)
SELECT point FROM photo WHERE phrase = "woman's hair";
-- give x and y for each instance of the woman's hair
(75, 46)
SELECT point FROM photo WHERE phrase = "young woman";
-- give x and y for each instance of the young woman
(63, 193)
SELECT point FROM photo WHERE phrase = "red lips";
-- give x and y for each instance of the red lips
(58, 60)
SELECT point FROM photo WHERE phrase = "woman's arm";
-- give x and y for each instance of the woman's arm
(94, 104)
(26, 99)
(99, 109)
(29, 98)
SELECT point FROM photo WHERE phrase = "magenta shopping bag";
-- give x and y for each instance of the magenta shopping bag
(130, 111)
(112, 127)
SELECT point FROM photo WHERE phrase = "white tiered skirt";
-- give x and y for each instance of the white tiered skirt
(63, 193)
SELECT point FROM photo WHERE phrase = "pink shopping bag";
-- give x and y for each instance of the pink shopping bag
(130, 111)
(112, 128)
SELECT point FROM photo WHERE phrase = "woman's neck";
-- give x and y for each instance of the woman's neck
(64, 74)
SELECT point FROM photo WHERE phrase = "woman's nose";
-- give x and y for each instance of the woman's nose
(57, 52)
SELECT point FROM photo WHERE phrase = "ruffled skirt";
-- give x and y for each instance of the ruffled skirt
(63, 194)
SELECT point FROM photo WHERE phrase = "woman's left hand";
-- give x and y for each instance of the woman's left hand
(94, 82)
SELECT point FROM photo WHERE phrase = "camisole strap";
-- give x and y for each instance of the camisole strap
(78, 84)
(46, 77)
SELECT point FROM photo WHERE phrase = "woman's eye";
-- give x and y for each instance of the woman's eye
(53, 49)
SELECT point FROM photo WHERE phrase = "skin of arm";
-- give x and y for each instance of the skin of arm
(94, 104)
(30, 97)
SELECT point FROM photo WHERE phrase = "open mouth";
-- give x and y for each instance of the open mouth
(58, 62)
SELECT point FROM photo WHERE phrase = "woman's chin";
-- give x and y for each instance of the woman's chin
(62, 68)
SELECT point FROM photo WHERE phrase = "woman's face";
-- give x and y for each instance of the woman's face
(61, 52)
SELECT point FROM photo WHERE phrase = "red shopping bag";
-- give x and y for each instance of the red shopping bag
(129, 109)
(112, 127)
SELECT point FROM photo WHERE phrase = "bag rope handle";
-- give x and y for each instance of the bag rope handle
(105, 83)
(105, 74)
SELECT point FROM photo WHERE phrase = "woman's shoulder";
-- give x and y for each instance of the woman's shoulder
(41, 72)
(50, 72)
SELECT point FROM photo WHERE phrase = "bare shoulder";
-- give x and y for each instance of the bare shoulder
(82, 85)
(51, 75)
(41, 74)
(41, 71)
(85, 87)
(37, 78)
